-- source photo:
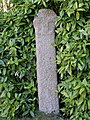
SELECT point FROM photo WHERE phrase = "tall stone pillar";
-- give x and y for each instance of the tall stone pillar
(44, 25)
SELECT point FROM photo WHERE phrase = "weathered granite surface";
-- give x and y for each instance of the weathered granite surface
(44, 25)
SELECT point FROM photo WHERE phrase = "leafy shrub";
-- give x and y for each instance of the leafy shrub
(17, 57)
(73, 58)
(17, 62)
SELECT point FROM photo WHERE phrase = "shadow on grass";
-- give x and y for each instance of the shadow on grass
(43, 116)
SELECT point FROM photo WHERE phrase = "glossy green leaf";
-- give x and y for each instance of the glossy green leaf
(89, 104)
(81, 90)
(44, 3)
(77, 15)
(2, 63)
(77, 87)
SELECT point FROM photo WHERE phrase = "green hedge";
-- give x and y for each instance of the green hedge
(17, 62)
(73, 58)
(18, 93)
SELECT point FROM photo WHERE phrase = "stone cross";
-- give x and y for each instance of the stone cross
(44, 25)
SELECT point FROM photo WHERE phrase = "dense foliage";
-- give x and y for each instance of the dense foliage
(17, 57)
(73, 57)
(17, 62)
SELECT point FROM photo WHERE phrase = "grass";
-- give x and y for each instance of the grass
(42, 116)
